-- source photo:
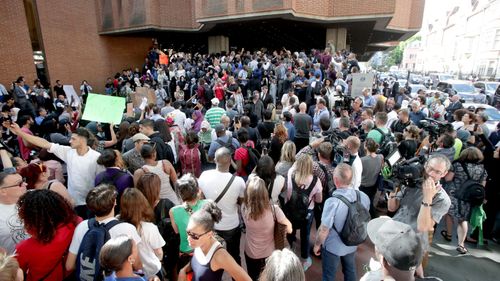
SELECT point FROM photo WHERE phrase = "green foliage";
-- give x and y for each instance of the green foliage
(396, 55)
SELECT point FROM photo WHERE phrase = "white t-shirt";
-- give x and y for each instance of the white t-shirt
(212, 183)
(123, 228)
(278, 184)
(151, 240)
(11, 228)
(357, 171)
(82, 170)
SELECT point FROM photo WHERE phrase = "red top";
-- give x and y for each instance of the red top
(25, 151)
(37, 259)
(242, 154)
(219, 92)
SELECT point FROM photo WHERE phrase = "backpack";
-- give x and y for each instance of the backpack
(190, 159)
(87, 260)
(354, 230)
(387, 145)
(296, 209)
(253, 159)
(229, 144)
(327, 192)
(471, 191)
(172, 240)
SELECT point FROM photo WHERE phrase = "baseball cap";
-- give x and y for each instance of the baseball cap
(397, 242)
(219, 128)
(215, 101)
(139, 136)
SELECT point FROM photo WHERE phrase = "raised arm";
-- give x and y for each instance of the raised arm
(34, 140)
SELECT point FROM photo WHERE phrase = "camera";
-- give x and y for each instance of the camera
(435, 128)
(409, 173)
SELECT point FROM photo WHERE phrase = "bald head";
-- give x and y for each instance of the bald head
(303, 107)
(223, 158)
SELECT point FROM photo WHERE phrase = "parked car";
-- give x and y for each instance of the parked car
(493, 114)
(440, 77)
(464, 89)
(415, 88)
(416, 79)
(488, 88)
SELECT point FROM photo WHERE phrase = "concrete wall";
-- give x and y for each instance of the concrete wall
(16, 54)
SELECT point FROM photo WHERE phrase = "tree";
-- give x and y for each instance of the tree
(396, 55)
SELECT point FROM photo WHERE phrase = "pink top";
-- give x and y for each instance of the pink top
(260, 233)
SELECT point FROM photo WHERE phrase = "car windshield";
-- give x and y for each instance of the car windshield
(463, 88)
(491, 87)
(445, 77)
(493, 114)
(415, 89)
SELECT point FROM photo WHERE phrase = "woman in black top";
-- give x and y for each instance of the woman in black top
(408, 147)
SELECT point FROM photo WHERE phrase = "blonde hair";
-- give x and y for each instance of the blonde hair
(8, 267)
(288, 152)
(303, 169)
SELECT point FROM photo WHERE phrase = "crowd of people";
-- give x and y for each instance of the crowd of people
(239, 146)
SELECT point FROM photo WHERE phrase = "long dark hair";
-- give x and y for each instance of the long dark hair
(43, 211)
(265, 170)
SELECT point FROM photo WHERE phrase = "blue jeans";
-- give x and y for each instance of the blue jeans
(330, 263)
(305, 233)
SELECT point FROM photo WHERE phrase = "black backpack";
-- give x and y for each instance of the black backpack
(87, 260)
(354, 230)
(296, 208)
(387, 145)
(253, 159)
(327, 192)
(471, 191)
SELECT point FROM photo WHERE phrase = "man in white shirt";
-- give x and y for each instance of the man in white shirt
(212, 184)
(352, 144)
(12, 187)
(81, 161)
(101, 201)
(178, 116)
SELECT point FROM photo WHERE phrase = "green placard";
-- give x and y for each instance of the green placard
(105, 109)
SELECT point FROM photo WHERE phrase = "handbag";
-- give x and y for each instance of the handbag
(279, 232)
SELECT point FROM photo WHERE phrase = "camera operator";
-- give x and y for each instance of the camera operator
(423, 205)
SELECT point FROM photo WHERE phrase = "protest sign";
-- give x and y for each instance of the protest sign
(143, 92)
(71, 95)
(361, 81)
(105, 109)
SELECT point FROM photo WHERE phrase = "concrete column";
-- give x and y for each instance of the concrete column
(336, 38)
(218, 43)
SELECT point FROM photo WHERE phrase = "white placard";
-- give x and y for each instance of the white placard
(361, 81)
(71, 95)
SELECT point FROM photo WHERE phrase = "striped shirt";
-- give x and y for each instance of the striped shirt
(214, 115)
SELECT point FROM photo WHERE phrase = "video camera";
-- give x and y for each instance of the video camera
(399, 172)
(344, 103)
(435, 128)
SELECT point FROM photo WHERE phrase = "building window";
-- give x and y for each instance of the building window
(496, 43)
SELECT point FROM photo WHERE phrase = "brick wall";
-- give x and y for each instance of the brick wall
(74, 50)
(16, 54)
(408, 15)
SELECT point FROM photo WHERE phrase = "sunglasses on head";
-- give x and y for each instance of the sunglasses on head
(195, 236)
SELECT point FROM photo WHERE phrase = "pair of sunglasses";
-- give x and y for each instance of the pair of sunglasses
(195, 236)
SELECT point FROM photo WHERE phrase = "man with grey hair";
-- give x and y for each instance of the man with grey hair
(227, 191)
(424, 204)
(481, 119)
(333, 249)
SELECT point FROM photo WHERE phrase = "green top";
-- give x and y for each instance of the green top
(214, 115)
(376, 135)
(205, 137)
(181, 217)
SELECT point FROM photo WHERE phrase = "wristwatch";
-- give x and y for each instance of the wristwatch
(427, 204)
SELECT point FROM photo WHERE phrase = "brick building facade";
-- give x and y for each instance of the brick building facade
(94, 39)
